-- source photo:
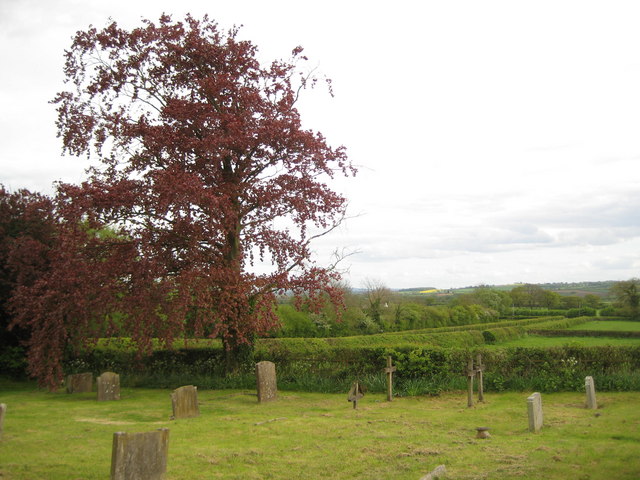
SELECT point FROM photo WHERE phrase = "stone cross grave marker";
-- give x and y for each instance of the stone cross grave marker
(79, 382)
(108, 386)
(591, 393)
(3, 410)
(266, 381)
(479, 369)
(355, 394)
(139, 456)
(184, 401)
(471, 373)
(534, 408)
(389, 371)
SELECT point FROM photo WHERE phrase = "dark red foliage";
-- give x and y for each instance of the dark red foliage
(27, 234)
(211, 187)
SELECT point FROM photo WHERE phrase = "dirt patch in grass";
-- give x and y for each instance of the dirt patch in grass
(103, 421)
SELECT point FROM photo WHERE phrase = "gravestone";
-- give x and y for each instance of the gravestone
(389, 371)
(184, 401)
(139, 456)
(471, 373)
(534, 408)
(79, 382)
(591, 393)
(355, 394)
(3, 409)
(266, 381)
(479, 369)
(108, 386)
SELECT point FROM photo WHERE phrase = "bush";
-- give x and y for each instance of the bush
(13, 362)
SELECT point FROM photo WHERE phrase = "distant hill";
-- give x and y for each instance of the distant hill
(563, 288)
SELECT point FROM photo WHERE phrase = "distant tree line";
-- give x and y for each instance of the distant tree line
(378, 309)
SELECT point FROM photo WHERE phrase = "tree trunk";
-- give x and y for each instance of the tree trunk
(237, 356)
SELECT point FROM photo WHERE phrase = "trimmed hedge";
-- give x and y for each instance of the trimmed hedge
(427, 361)
(559, 323)
(330, 365)
(483, 326)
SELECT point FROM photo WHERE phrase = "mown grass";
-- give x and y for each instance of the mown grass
(538, 341)
(609, 325)
(307, 436)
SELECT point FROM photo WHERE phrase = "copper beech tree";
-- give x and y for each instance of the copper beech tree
(27, 234)
(211, 189)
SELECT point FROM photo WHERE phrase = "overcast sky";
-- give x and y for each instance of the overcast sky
(498, 141)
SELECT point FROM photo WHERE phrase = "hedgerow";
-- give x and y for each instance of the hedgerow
(426, 362)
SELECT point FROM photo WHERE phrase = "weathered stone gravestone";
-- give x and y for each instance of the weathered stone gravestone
(79, 383)
(534, 408)
(266, 381)
(184, 401)
(355, 394)
(108, 386)
(139, 456)
(3, 410)
(389, 371)
(591, 393)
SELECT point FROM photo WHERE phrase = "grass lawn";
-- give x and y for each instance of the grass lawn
(308, 436)
(537, 341)
(613, 326)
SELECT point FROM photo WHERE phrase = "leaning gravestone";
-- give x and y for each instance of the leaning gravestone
(108, 386)
(3, 409)
(79, 382)
(534, 408)
(266, 381)
(139, 456)
(591, 393)
(184, 401)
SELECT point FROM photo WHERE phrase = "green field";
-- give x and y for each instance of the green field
(538, 341)
(309, 436)
(609, 325)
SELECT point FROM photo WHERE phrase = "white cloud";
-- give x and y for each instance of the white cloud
(499, 140)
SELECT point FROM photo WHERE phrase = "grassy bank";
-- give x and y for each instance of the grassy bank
(307, 435)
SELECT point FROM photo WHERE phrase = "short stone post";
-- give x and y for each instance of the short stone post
(108, 386)
(266, 381)
(591, 393)
(184, 401)
(140, 456)
(3, 410)
(389, 371)
(471, 373)
(479, 370)
(534, 408)
(79, 382)
(355, 394)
